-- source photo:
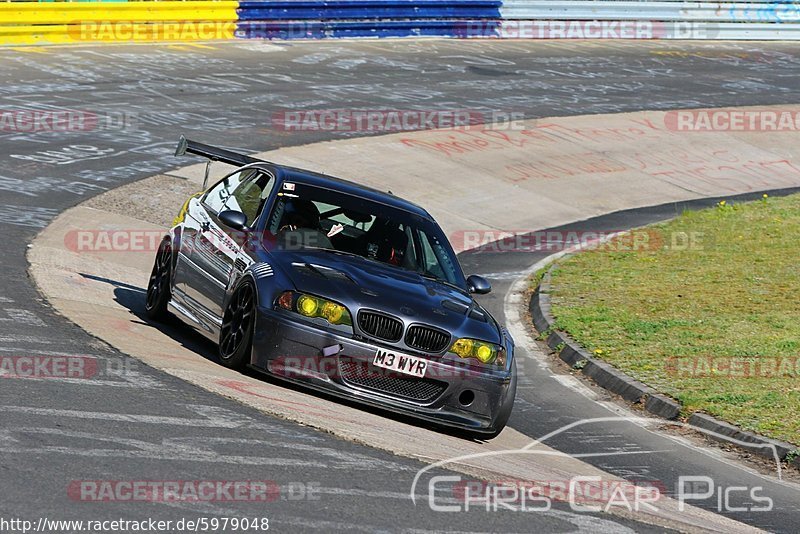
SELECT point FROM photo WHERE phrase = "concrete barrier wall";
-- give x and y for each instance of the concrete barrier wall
(53, 22)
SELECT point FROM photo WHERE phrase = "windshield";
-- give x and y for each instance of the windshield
(306, 216)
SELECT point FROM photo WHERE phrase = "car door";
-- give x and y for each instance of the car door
(215, 246)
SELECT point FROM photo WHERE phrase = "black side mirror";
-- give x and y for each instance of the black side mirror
(233, 219)
(478, 285)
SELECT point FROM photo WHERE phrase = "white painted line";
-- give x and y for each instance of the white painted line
(85, 382)
(126, 418)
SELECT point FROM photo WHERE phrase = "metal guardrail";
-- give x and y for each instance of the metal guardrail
(663, 10)
(639, 29)
(752, 31)
(140, 11)
(659, 19)
(32, 22)
(285, 30)
(28, 22)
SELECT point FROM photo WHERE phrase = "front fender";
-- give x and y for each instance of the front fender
(267, 278)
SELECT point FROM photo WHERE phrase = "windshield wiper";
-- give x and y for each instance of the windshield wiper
(335, 251)
(312, 268)
(435, 278)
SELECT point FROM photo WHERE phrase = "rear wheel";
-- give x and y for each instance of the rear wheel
(236, 334)
(158, 288)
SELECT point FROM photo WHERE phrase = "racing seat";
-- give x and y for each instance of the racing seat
(392, 247)
(300, 228)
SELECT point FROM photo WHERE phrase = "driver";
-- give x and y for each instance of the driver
(300, 213)
(300, 226)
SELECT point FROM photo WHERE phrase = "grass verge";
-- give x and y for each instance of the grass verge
(704, 308)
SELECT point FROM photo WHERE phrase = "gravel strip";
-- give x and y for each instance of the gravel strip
(155, 200)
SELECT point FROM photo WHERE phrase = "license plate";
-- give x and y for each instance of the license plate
(402, 363)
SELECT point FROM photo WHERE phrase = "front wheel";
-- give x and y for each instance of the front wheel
(236, 334)
(158, 288)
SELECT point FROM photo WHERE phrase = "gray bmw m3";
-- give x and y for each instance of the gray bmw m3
(337, 286)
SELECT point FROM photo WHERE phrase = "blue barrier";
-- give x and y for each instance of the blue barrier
(369, 9)
(309, 19)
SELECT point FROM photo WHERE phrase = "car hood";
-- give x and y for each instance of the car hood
(360, 283)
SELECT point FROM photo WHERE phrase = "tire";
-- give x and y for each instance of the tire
(236, 333)
(159, 291)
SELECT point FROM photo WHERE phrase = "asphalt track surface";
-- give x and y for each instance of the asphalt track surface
(139, 424)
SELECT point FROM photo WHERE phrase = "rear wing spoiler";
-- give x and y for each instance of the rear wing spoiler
(213, 153)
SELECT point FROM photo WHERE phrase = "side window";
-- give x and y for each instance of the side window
(218, 195)
(435, 260)
(249, 197)
(430, 262)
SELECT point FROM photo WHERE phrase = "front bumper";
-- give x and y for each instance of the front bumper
(289, 347)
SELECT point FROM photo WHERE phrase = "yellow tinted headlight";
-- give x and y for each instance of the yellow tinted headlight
(313, 307)
(333, 312)
(484, 353)
(479, 350)
(307, 306)
(463, 347)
